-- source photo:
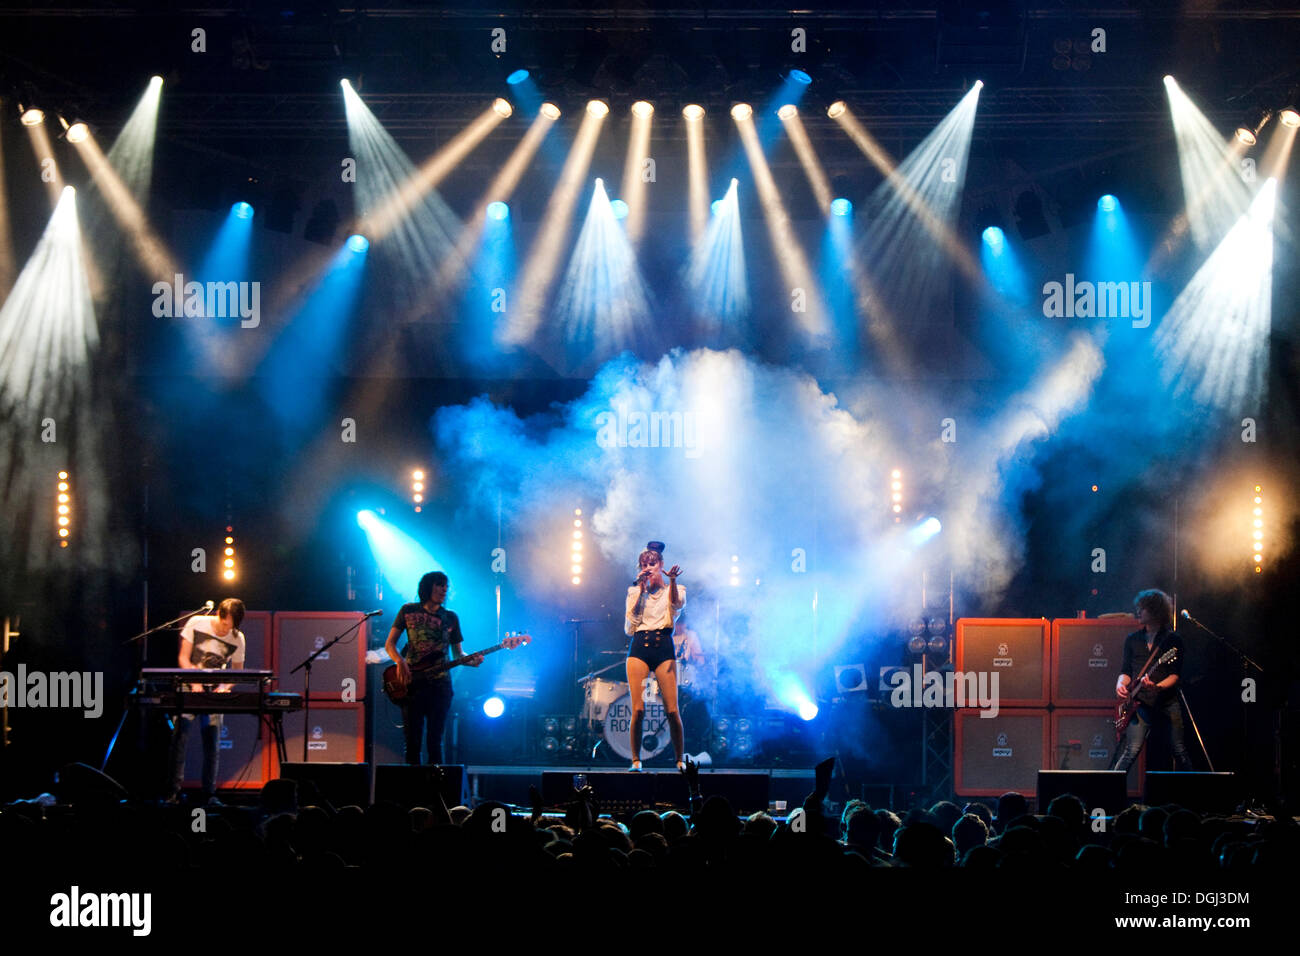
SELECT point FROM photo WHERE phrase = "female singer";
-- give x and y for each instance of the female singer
(652, 607)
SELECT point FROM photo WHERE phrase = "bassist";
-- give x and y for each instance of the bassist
(1156, 691)
(431, 631)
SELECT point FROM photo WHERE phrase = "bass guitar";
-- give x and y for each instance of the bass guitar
(1129, 705)
(397, 692)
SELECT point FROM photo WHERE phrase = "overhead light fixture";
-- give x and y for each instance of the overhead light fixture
(1248, 132)
(502, 107)
(837, 109)
(789, 111)
(550, 111)
(742, 111)
(693, 111)
(597, 107)
(31, 116)
(642, 109)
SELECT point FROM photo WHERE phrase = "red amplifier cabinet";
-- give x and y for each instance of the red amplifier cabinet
(1016, 649)
(992, 755)
(336, 734)
(1087, 654)
(299, 633)
(1084, 739)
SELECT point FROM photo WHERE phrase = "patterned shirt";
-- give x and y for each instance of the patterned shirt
(429, 635)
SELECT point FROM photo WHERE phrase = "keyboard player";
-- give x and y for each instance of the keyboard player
(212, 642)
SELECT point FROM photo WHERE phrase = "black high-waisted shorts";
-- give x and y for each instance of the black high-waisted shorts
(653, 647)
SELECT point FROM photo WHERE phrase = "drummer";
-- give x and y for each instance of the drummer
(690, 654)
(652, 607)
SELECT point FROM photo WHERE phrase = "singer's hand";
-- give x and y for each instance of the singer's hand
(674, 571)
(643, 579)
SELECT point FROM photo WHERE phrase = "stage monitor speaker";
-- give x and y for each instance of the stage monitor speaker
(299, 633)
(615, 791)
(416, 786)
(1087, 654)
(1084, 739)
(1015, 649)
(746, 792)
(242, 756)
(1096, 788)
(621, 791)
(1203, 792)
(337, 733)
(993, 755)
(342, 784)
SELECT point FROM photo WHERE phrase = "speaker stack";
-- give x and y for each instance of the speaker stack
(1056, 702)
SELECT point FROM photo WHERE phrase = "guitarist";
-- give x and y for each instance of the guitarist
(1157, 691)
(431, 630)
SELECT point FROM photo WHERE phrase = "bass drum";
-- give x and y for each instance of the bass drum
(600, 693)
(654, 725)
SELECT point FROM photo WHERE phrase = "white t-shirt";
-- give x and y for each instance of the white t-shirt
(656, 612)
(210, 650)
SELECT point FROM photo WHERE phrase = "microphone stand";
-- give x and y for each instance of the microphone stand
(1246, 664)
(306, 691)
(139, 667)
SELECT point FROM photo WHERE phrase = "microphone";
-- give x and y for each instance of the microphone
(1186, 616)
(375, 613)
(208, 605)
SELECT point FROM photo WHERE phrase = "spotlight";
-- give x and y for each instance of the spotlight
(841, 207)
(358, 243)
(1108, 203)
(742, 111)
(502, 107)
(517, 77)
(64, 509)
(494, 707)
(808, 710)
(31, 116)
(1248, 132)
(78, 132)
(228, 562)
(550, 111)
(994, 236)
(242, 210)
(789, 111)
(836, 109)
(693, 111)
(716, 206)
(597, 107)
(642, 109)
(498, 211)
(417, 489)
(1289, 117)
(799, 76)
(156, 80)
(619, 207)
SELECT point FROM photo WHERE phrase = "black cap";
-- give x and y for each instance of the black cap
(655, 546)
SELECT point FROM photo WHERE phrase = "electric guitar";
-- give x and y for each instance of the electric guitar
(397, 691)
(1129, 705)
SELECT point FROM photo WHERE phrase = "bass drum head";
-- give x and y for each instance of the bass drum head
(599, 695)
(654, 726)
